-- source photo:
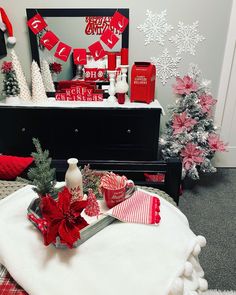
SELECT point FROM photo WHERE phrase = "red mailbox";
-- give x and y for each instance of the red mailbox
(143, 79)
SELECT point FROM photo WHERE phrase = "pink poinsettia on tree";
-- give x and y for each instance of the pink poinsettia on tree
(191, 155)
(215, 143)
(182, 122)
(185, 85)
(207, 102)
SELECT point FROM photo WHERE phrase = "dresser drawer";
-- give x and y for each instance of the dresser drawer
(16, 135)
(86, 133)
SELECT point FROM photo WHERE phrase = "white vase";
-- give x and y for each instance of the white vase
(73, 179)
(12, 100)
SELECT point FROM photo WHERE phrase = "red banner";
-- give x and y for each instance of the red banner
(109, 38)
(119, 22)
(80, 56)
(37, 24)
(49, 40)
(63, 51)
(105, 26)
(97, 50)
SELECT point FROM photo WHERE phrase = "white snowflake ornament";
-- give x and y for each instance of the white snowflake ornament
(155, 27)
(166, 66)
(186, 38)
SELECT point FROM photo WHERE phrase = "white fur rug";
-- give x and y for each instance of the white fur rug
(215, 292)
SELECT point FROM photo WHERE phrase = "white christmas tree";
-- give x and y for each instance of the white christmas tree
(47, 77)
(38, 90)
(24, 94)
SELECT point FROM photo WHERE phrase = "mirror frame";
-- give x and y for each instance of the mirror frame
(73, 12)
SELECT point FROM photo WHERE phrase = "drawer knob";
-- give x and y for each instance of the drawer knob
(23, 129)
(76, 130)
(128, 131)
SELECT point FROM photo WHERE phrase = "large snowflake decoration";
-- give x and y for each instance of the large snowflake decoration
(166, 66)
(186, 38)
(155, 27)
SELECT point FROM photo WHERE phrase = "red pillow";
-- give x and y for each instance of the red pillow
(158, 177)
(11, 166)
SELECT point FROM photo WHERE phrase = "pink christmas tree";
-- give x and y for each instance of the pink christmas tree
(190, 132)
(92, 208)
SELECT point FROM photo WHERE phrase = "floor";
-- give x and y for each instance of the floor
(210, 206)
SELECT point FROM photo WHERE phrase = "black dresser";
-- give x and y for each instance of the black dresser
(124, 140)
(85, 133)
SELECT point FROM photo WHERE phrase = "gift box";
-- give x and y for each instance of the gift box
(143, 80)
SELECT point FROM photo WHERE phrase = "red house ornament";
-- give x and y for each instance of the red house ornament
(36, 24)
(49, 40)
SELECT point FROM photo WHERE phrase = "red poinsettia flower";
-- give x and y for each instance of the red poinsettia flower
(185, 85)
(55, 67)
(191, 155)
(182, 122)
(63, 217)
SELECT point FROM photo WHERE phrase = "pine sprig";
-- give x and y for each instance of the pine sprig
(42, 176)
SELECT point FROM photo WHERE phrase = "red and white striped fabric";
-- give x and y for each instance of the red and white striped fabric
(140, 208)
(7, 285)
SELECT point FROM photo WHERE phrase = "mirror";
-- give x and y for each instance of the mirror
(79, 28)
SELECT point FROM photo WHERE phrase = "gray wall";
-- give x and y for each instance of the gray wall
(213, 17)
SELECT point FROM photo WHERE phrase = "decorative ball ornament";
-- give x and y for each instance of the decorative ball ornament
(177, 287)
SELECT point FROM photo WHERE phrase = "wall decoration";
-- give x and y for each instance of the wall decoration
(186, 38)
(119, 22)
(155, 27)
(63, 51)
(49, 40)
(79, 56)
(96, 25)
(37, 24)
(97, 50)
(166, 66)
(25, 94)
(109, 38)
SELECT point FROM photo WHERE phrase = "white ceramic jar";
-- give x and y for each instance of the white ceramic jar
(73, 179)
